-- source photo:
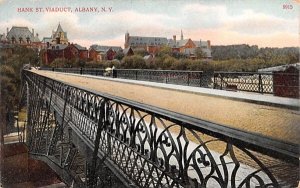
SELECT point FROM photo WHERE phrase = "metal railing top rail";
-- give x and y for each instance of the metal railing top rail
(155, 70)
(272, 147)
(225, 72)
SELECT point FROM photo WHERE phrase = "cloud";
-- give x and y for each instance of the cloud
(203, 16)
(197, 20)
(15, 22)
(251, 22)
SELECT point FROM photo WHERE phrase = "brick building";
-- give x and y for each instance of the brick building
(153, 44)
(101, 53)
(189, 46)
(65, 51)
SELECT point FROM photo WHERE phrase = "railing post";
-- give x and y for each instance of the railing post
(166, 77)
(92, 178)
(260, 86)
(214, 82)
(80, 70)
(136, 74)
(114, 73)
(200, 79)
(221, 87)
(188, 81)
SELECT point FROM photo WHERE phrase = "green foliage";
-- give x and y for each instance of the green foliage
(133, 62)
(12, 61)
(164, 50)
(225, 58)
(199, 53)
(140, 51)
(119, 56)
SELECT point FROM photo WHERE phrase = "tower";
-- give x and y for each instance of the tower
(181, 37)
(126, 40)
(59, 36)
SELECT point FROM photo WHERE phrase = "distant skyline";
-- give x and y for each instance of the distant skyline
(270, 23)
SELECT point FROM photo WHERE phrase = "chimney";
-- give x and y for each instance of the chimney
(32, 32)
(174, 38)
(208, 44)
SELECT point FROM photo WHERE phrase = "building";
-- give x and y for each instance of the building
(101, 53)
(2, 38)
(58, 37)
(23, 36)
(65, 51)
(151, 44)
(188, 47)
(128, 51)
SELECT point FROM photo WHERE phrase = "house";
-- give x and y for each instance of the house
(23, 36)
(65, 51)
(128, 51)
(100, 53)
(53, 52)
(188, 47)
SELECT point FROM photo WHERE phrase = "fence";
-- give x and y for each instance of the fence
(258, 82)
(244, 81)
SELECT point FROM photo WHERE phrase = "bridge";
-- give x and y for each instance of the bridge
(95, 131)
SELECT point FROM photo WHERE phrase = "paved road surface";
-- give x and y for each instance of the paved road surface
(280, 123)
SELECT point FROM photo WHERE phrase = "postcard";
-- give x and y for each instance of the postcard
(141, 93)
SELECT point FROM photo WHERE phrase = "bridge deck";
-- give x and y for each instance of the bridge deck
(251, 113)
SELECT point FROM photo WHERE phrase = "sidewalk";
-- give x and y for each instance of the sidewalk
(267, 115)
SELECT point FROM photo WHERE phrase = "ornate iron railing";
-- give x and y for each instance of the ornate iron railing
(189, 78)
(90, 71)
(235, 81)
(153, 147)
(244, 81)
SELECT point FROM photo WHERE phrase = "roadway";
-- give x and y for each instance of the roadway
(254, 113)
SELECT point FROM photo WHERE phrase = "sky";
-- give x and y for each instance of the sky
(266, 23)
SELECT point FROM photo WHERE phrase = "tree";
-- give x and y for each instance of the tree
(199, 53)
(140, 51)
(164, 50)
(133, 62)
(119, 55)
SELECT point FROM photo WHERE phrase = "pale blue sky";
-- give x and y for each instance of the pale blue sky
(264, 23)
